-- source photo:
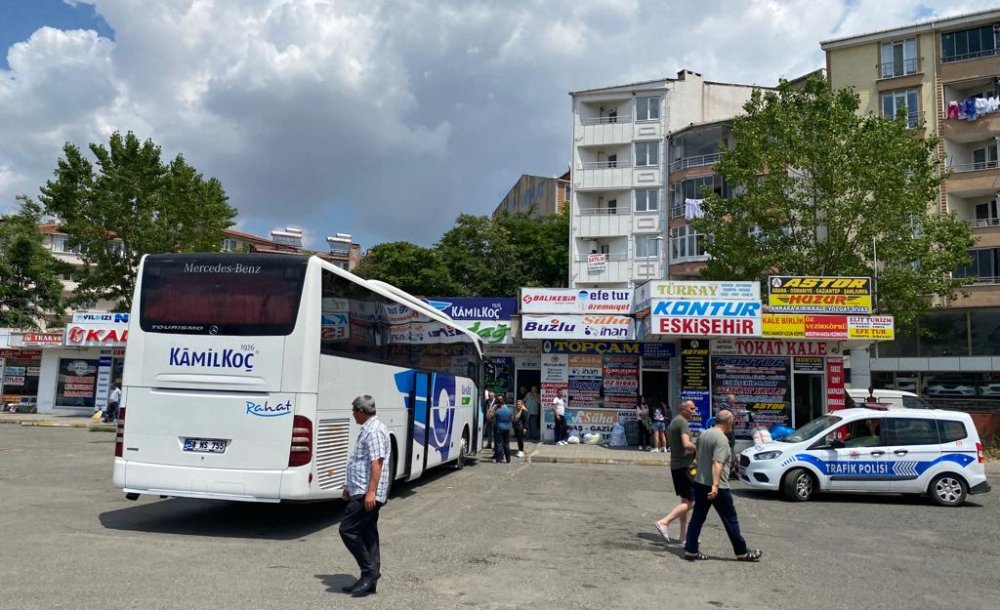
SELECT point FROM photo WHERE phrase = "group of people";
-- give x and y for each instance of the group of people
(652, 418)
(501, 420)
(700, 475)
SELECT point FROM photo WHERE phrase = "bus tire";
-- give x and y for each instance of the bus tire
(392, 472)
(463, 450)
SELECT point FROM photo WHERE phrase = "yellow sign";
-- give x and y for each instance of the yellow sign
(819, 294)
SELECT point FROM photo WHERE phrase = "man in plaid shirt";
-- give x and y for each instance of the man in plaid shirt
(365, 492)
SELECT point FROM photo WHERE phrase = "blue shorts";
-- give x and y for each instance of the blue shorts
(659, 426)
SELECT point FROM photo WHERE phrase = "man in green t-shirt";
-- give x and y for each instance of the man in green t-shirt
(681, 458)
(711, 488)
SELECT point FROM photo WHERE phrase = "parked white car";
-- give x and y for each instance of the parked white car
(906, 451)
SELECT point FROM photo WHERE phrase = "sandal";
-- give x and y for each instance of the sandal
(662, 530)
(752, 555)
(694, 556)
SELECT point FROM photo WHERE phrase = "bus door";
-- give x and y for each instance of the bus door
(419, 415)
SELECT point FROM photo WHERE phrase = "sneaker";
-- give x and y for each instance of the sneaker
(562, 443)
(520, 454)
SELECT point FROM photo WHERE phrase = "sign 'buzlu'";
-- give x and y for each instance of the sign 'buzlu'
(706, 318)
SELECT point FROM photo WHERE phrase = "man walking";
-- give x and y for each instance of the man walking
(711, 488)
(502, 424)
(559, 417)
(365, 492)
(114, 401)
(681, 458)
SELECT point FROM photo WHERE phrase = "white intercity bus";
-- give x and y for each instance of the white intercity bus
(241, 368)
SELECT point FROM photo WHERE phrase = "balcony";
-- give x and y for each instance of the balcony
(969, 66)
(597, 131)
(696, 161)
(895, 69)
(602, 222)
(603, 175)
(963, 131)
(973, 179)
(617, 270)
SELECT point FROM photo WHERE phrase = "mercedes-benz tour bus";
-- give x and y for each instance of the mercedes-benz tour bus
(241, 368)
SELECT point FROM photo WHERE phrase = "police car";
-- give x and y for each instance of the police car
(906, 451)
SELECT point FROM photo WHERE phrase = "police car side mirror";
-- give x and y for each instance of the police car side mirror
(837, 444)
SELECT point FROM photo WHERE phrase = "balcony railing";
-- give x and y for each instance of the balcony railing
(612, 258)
(975, 55)
(696, 161)
(973, 167)
(982, 279)
(606, 164)
(985, 222)
(893, 69)
(620, 210)
(606, 120)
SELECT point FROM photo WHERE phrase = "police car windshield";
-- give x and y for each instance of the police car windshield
(811, 429)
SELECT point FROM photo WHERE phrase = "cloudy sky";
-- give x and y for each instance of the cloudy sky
(384, 119)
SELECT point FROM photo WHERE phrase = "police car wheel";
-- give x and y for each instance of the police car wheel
(948, 490)
(799, 485)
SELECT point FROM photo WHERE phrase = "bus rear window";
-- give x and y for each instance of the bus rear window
(219, 294)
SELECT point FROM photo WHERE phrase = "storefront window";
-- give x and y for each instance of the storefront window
(904, 346)
(944, 334)
(77, 382)
(20, 374)
(985, 332)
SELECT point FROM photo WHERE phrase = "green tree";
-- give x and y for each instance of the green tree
(133, 204)
(541, 247)
(30, 290)
(819, 190)
(417, 270)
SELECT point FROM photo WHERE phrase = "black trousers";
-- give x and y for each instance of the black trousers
(723, 504)
(502, 453)
(519, 435)
(359, 531)
(560, 431)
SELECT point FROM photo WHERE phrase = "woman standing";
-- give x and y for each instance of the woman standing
(642, 416)
(520, 426)
(659, 418)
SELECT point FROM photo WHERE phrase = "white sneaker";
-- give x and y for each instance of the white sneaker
(520, 454)
(561, 443)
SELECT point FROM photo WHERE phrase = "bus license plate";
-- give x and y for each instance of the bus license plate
(204, 445)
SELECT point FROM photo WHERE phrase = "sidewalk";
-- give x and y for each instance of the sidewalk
(53, 421)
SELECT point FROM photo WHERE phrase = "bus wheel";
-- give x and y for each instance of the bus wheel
(392, 473)
(463, 450)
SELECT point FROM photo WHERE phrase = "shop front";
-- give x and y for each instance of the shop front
(21, 360)
(78, 375)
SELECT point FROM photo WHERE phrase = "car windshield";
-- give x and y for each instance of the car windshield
(811, 429)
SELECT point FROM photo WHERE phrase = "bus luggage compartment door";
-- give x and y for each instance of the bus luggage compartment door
(418, 405)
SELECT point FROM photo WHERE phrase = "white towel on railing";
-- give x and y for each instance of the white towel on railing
(692, 209)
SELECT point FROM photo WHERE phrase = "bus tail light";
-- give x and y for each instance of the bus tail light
(120, 433)
(979, 453)
(300, 453)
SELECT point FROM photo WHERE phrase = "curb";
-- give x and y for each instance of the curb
(549, 459)
(46, 423)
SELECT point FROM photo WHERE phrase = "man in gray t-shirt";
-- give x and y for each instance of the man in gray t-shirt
(711, 488)
(681, 458)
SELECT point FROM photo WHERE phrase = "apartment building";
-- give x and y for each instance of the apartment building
(945, 73)
(536, 195)
(623, 155)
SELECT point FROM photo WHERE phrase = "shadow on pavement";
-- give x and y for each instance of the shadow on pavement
(334, 582)
(848, 498)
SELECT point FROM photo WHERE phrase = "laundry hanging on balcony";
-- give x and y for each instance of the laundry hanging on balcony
(972, 108)
(692, 209)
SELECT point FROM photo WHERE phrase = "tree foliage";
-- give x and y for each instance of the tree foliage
(30, 290)
(415, 269)
(130, 205)
(478, 256)
(821, 190)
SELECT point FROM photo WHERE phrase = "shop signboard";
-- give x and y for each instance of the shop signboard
(21, 354)
(585, 374)
(587, 421)
(77, 382)
(99, 317)
(597, 263)
(566, 326)
(833, 326)
(702, 290)
(816, 294)
(13, 379)
(80, 335)
(773, 347)
(509, 349)
(760, 386)
(555, 369)
(835, 393)
(705, 318)
(695, 377)
(490, 331)
(807, 364)
(575, 300)
(38, 339)
(472, 309)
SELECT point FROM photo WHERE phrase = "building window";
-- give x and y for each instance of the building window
(986, 214)
(985, 266)
(969, 44)
(647, 200)
(647, 246)
(907, 101)
(685, 242)
(647, 154)
(899, 58)
(647, 109)
(695, 189)
(229, 245)
(985, 157)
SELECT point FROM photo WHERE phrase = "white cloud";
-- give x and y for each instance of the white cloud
(383, 119)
